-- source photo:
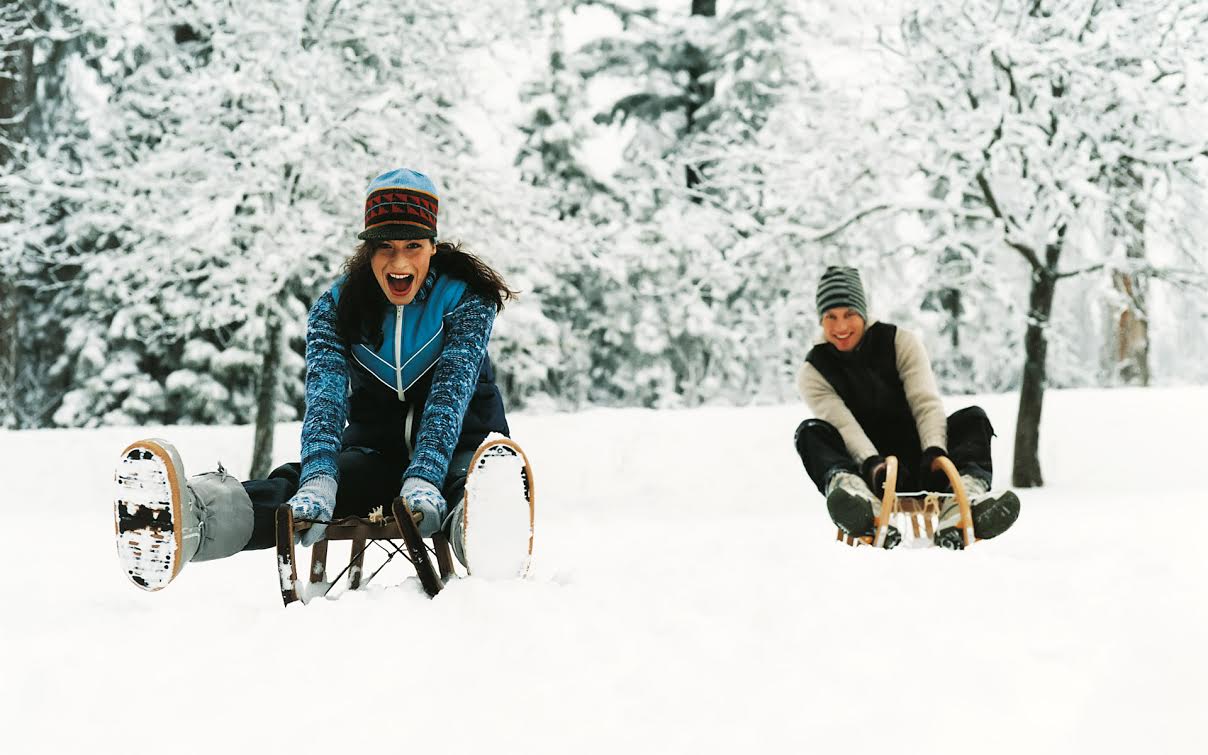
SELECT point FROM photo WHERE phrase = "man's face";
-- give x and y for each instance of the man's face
(843, 327)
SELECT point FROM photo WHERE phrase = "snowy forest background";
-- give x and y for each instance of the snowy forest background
(1022, 181)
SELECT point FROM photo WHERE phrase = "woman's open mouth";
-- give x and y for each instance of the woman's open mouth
(400, 285)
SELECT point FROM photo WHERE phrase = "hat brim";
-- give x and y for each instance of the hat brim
(396, 232)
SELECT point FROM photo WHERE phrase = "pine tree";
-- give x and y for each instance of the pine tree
(553, 141)
(218, 185)
(702, 88)
(38, 41)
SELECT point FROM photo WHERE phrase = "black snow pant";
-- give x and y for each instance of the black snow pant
(823, 451)
(368, 479)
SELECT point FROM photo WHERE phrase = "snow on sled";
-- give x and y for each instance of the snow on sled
(916, 514)
(497, 462)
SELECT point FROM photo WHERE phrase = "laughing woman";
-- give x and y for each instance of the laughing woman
(400, 392)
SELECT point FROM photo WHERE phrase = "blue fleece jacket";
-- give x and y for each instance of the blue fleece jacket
(463, 342)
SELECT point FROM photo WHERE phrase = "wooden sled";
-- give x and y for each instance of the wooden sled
(383, 533)
(921, 510)
(363, 533)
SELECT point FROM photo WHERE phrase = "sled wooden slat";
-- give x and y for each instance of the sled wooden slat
(929, 521)
(356, 563)
(287, 572)
(417, 550)
(318, 562)
(444, 556)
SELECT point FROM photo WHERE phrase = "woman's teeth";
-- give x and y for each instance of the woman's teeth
(399, 284)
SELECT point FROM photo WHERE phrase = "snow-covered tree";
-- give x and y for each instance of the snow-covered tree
(38, 41)
(697, 91)
(1028, 109)
(554, 136)
(221, 185)
(17, 80)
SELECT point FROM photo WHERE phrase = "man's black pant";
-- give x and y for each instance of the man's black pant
(823, 452)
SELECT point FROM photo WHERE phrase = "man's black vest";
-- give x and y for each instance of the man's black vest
(867, 380)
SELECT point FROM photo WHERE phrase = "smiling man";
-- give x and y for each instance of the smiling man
(873, 394)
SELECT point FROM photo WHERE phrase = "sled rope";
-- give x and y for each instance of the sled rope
(389, 557)
(390, 554)
(332, 583)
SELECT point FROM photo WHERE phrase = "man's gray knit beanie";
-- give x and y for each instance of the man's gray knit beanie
(840, 287)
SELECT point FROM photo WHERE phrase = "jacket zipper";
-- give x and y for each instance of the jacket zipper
(398, 352)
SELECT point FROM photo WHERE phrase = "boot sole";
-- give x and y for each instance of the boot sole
(994, 517)
(147, 516)
(851, 513)
(497, 524)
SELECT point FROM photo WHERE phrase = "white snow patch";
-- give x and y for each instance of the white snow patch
(689, 597)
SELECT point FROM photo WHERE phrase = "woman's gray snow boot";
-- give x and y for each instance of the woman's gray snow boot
(163, 522)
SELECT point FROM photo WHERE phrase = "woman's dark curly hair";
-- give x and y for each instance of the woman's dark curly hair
(359, 312)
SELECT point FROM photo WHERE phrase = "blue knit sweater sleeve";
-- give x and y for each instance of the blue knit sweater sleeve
(326, 391)
(467, 331)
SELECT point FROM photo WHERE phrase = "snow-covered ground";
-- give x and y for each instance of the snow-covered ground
(687, 596)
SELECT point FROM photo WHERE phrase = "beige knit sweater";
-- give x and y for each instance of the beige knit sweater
(914, 368)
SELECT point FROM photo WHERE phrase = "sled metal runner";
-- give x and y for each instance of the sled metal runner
(363, 534)
(921, 509)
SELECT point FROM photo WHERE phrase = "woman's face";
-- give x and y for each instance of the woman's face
(400, 266)
(843, 327)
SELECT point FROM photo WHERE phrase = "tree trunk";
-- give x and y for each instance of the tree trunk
(16, 80)
(950, 301)
(16, 95)
(8, 353)
(1129, 347)
(698, 92)
(1130, 342)
(266, 396)
(1026, 473)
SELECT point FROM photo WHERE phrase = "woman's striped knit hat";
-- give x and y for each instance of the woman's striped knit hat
(400, 204)
(841, 287)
